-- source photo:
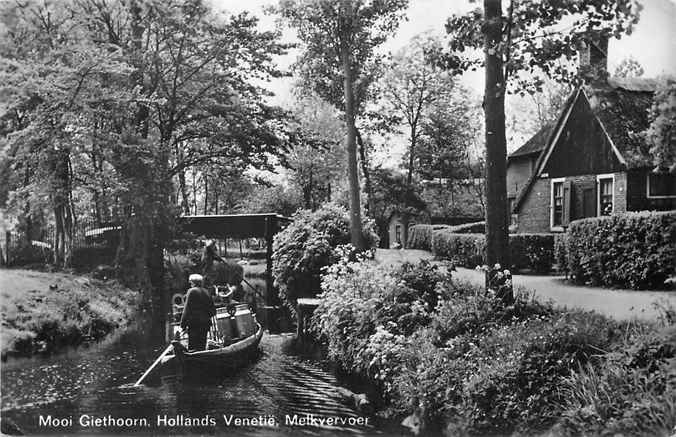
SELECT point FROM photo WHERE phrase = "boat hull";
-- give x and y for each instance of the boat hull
(205, 365)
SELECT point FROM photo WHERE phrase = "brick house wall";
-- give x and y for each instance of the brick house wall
(534, 216)
(519, 170)
(637, 199)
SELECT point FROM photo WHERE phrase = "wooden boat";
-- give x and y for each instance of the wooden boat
(232, 342)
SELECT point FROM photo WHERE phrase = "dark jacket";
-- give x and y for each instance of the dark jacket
(199, 308)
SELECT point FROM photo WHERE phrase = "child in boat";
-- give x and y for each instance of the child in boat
(197, 313)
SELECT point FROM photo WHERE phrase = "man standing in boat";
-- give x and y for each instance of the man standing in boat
(197, 313)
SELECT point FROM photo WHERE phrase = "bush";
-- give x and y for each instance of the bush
(309, 244)
(463, 249)
(469, 228)
(561, 252)
(634, 250)
(527, 251)
(531, 251)
(88, 257)
(420, 237)
(362, 299)
(476, 366)
(632, 392)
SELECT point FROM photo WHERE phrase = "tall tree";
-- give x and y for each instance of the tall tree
(340, 38)
(157, 87)
(518, 47)
(317, 159)
(409, 87)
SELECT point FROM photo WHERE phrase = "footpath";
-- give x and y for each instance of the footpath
(616, 303)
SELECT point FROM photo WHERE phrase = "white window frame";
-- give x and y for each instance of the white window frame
(551, 203)
(599, 178)
(647, 190)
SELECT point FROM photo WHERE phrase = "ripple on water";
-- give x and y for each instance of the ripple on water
(99, 382)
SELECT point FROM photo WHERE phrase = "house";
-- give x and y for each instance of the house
(399, 225)
(592, 160)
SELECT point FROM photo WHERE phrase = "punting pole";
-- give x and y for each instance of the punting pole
(157, 361)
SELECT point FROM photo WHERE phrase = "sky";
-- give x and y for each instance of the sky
(652, 43)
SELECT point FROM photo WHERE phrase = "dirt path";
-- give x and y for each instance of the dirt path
(619, 304)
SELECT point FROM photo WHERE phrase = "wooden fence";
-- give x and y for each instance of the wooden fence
(19, 248)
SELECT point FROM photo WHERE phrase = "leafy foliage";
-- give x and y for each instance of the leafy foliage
(631, 392)
(337, 64)
(628, 250)
(532, 39)
(309, 244)
(391, 194)
(660, 134)
(527, 251)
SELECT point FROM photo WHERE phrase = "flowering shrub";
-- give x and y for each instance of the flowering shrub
(476, 365)
(362, 304)
(307, 245)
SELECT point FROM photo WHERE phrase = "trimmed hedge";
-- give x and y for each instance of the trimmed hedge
(532, 251)
(633, 250)
(561, 252)
(527, 251)
(464, 249)
(420, 237)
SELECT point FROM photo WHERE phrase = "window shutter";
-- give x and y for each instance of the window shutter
(567, 194)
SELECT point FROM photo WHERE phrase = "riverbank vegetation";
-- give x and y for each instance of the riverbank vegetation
(307, 245)
(43, 312)
(463, 362)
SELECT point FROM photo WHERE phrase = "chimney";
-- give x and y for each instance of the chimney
(593, 60)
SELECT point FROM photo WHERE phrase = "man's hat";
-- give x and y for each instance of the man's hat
(195, 278)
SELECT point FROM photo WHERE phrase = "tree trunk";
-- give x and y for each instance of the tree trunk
(356, 235)
(62, 207)
(140, 256)
(497, 243)
(411, 156)
(367, 174)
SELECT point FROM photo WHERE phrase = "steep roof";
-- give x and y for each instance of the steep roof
(623, 110)
(621, 107)
(535, 144)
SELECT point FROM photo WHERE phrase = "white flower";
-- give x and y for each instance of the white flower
(497, 266)
(507, 273)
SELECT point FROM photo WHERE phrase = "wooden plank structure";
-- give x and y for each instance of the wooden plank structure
(240, 226)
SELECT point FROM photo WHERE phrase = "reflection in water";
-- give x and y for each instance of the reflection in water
(98, 382)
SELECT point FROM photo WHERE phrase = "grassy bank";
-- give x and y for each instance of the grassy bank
(42, 312)
(461, 362)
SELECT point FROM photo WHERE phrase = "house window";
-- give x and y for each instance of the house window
(606, 198)
(557, 203)
(661, 185)
(397, 233)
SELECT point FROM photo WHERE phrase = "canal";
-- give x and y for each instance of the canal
(278, 394)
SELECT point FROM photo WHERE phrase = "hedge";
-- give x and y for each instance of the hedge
(527, 251)
(420, 237)
(561, 252)
(532, 251)
(633, 250)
